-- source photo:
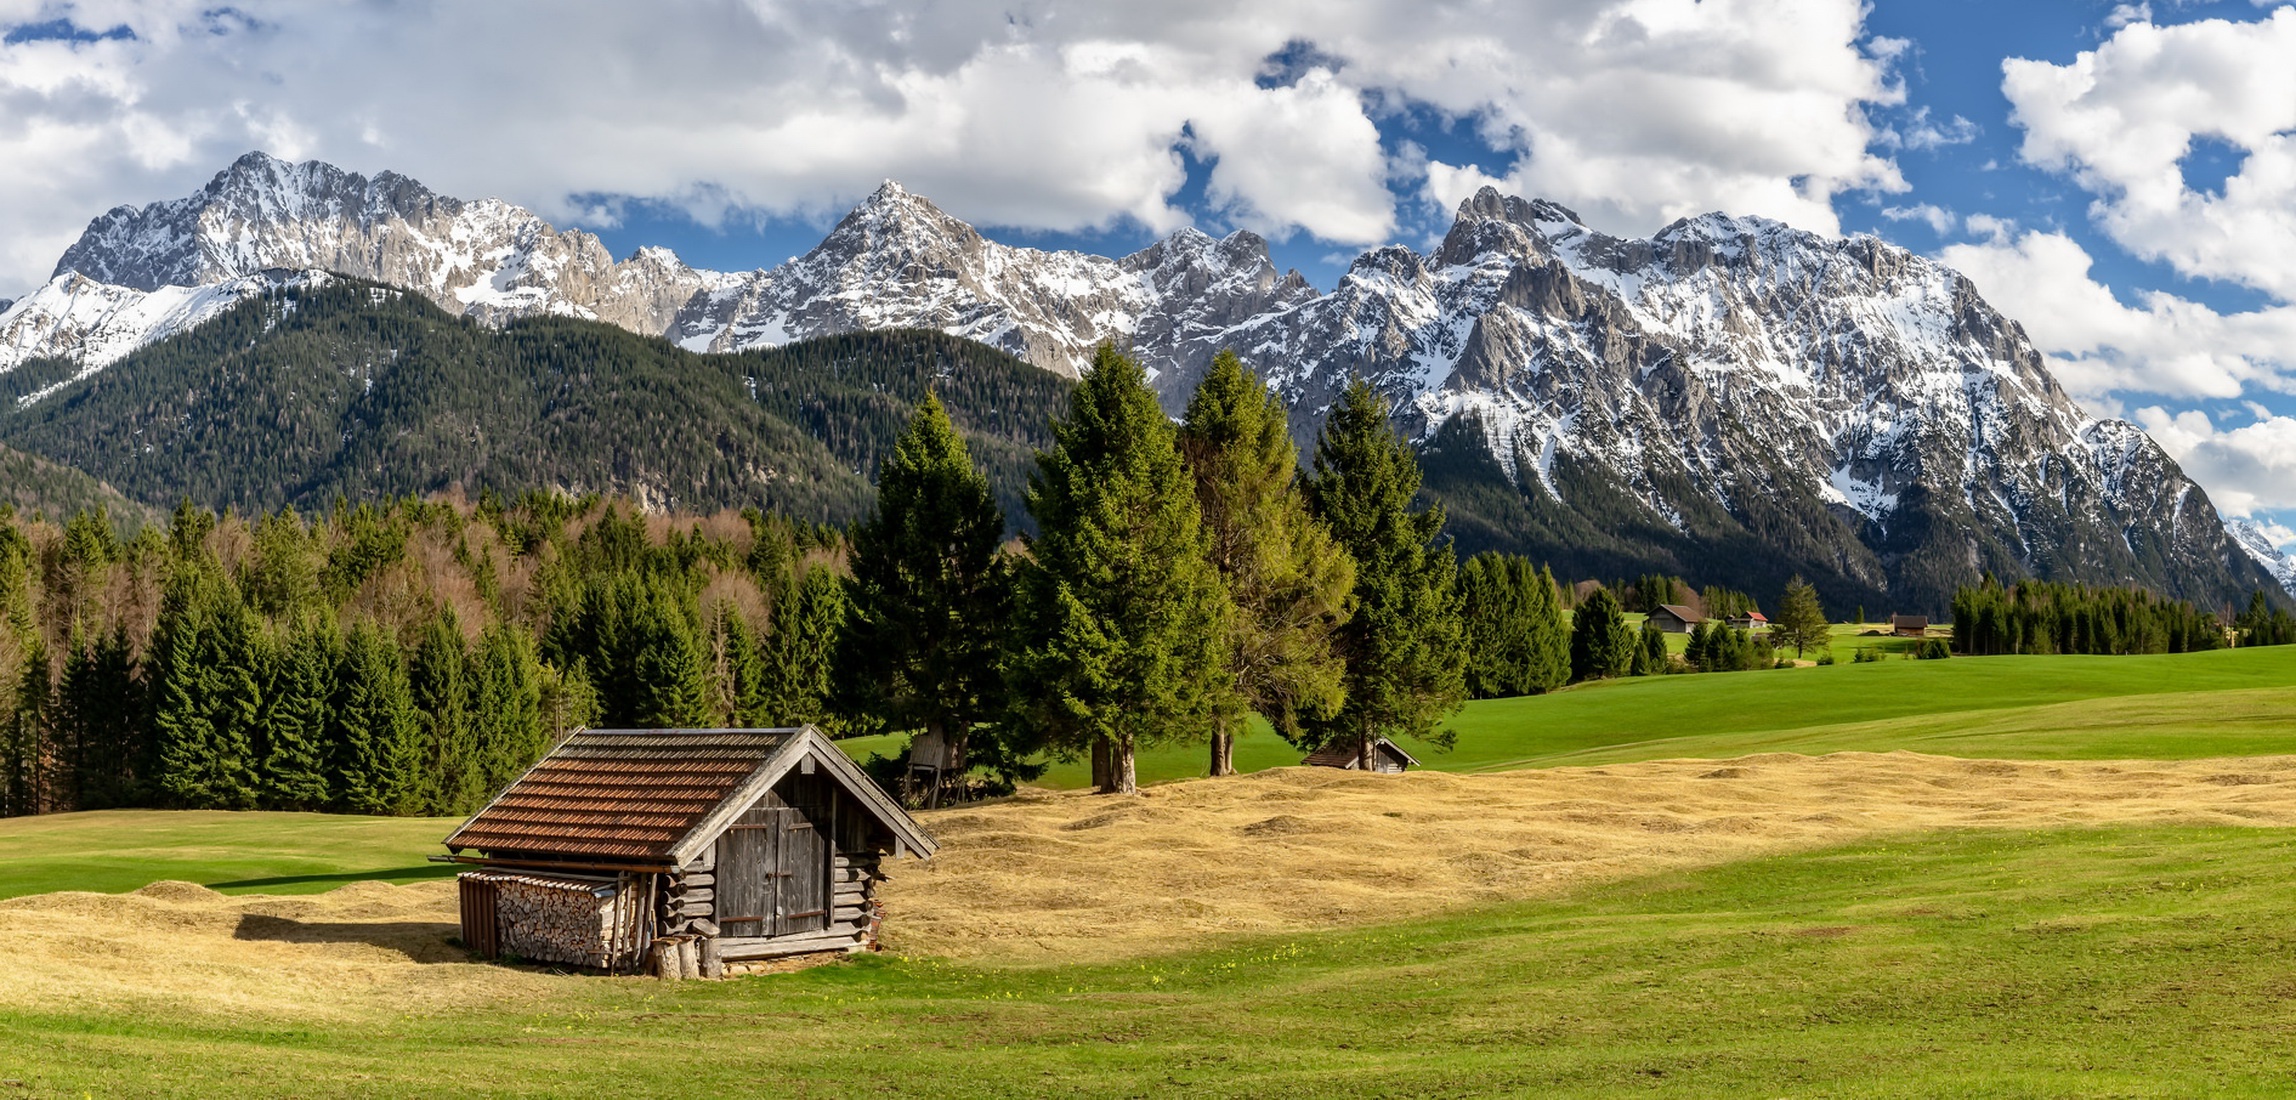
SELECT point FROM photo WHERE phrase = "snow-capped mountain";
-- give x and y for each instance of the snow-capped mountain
(1729, 397)
(94, 324)
(2252, 537)
(899, 261)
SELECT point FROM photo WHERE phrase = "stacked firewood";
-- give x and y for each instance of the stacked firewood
(565, 921)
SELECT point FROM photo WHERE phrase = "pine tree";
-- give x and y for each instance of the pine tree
(1402, 645)
(1650, 655)
(1120, 618)
(1601, 645)
(666, 667)
(439, 680)
(799, 654)
(25, 736)
(1801, 622)
(930, 597)
(509, 730)
(377, 739)
(295, 756)
(208, 663)
(1291, 586)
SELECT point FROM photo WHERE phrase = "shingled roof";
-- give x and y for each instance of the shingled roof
(657, 796)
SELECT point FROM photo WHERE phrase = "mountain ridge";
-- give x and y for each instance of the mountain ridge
(1727, 395)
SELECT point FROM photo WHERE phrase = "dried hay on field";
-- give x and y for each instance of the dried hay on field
(174, 947)
(1064, 877)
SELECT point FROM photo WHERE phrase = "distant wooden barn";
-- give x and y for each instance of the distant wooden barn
(1674, 618)
(1909, 626)
(1386, 757)
(681, 850)
(1752, 620)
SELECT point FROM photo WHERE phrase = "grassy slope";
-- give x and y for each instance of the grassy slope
(2128, 962)
(270, 853)
(2226, 703)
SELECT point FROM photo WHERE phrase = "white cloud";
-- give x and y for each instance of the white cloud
(2247, 469)
(2167, 346)
(1937, 218)
(2124, 14)
(1025, 113)
(2120, 118)
(1641, 112)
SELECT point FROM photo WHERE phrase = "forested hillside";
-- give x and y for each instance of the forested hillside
(30, 484)
(360, 391)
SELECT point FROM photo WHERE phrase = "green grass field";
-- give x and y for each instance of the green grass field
(2238, 702)
(238, 853)
(2109, 962)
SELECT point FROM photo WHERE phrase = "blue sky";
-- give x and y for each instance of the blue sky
(2117, 176)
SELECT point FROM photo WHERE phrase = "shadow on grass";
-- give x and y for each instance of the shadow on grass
(419, 941)
(391, 874)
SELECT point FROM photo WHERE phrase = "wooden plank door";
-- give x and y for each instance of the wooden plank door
(747, 858)
(803, 855)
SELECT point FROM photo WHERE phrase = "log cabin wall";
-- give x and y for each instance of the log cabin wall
(797, 873)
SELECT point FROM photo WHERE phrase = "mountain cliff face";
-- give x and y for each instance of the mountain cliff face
(2252, 539)
(1730, 399)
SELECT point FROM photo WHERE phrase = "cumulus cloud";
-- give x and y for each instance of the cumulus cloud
(2166, 345)
(2122, 117)
(2248, 469)
(1031, 114)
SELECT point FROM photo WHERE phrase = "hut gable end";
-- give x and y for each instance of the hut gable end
(658, 798)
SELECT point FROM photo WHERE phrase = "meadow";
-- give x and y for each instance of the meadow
(2235, 702)
(2145, 961)
(2079, 923)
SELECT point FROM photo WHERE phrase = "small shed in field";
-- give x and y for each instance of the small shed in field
(1752, 620)
(1386, 757)
(1674, 618)
(624, 847)
(1909, 626)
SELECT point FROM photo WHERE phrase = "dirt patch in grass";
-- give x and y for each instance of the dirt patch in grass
(1057, 878)
(1061, 876)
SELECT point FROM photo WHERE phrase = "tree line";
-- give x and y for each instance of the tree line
(2049, 617)
(409, 658)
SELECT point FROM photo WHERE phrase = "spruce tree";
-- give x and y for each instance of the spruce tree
(929, 596)
(295, 756)
(666, 672)
(798, 655)
(1650, 658)
(208, 662)
(1402, 645)
(439, 679)
(509, 728)
(1601, 645)
(377, 740)
(1121, 621)
(1801, 622)
(1291, 586)
(26, 733)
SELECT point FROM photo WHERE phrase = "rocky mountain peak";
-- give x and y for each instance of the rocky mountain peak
(1729, 398)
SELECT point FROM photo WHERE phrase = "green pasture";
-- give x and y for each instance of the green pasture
(113, 851)
(2127, 962)
(2239, 702)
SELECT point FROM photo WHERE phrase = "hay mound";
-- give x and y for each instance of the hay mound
(1061, 876)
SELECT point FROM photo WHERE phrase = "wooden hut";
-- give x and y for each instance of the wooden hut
(1909, 626)
(1386, 757)
(1674, 618)
(625, 848)
(1750, 621)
